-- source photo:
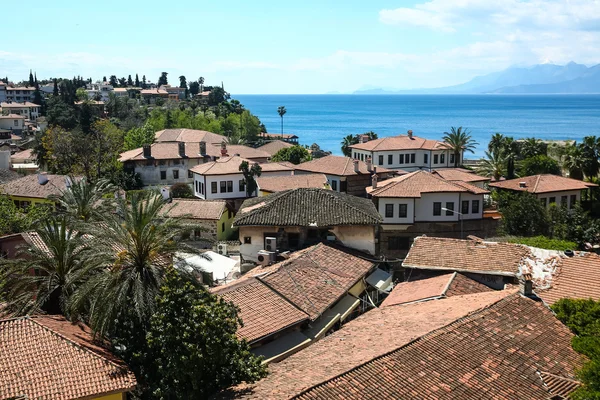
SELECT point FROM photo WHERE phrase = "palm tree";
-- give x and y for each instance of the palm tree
(590, 150)
(371, 135)
(281, 111)
(84, 201)
(496, 142)
(493, 165)
(201, 82)
(510, 150)
(347, 142)
(531, 147)
(43, 277)
(129, 254)
(459, 140)
(573, 161)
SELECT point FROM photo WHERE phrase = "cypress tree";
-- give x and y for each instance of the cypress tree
(129, 81)
(31, 78)
(55, 91)
(137, 81)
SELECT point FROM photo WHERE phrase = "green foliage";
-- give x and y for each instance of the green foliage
(61, 114)
(82, 94)
(85, 201)
(15, 220)
(138, 137)
(583, 318)
(459, 140)
(522, 214)
(181, 191)
(250, 173)
(295, 155)
(544, 242)
(162, 80)
(192, 348)
(348, 141)
(217, 96)
(539, 164)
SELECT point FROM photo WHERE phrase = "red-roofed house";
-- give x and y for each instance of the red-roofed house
(407, 152)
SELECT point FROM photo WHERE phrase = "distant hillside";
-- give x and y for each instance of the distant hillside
(544, 78)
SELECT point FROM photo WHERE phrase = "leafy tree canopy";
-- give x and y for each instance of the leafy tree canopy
(181, 191)
(295, 155)
(539, 164)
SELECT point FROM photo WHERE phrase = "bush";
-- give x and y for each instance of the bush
(539, 164)
(544, 242)
(181, 191)
(523, 215)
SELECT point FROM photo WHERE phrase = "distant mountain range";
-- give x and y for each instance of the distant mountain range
(572, 78)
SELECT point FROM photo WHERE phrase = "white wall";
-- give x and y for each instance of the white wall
(235, 178)
(410, 212)
(9, 123)
(470, 197)
(406, 165)
(424, 207)
(151, 174)
(558, 196)
(356, 237)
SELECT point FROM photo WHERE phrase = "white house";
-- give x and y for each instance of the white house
(19, 93)
(30, 110)
(222, 179)
(406, 152)
(12, 122)
(3, 87)
(549, 189)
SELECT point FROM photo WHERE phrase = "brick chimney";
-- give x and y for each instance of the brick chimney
(374, 179)
(355, 162)
(369, 162)
(147, 151)
(526, 285)
(202, 148)
(223, 149)
(410, 133)
(181, 146)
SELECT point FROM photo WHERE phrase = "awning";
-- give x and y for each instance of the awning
(339, 312)
(380, 280)
(282, 347)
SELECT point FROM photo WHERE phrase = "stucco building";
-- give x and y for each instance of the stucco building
(213, 218)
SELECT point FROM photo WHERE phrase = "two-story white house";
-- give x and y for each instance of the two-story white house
(222, 179)
(12, 123)
(406, 152)
(423, 203)
(30, 110)
(549, 189)
(19, 93)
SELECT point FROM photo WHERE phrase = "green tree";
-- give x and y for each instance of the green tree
(183, 83)
(144, 86)
(113, 81)
(590, 150)
(82, 94)
(539, 164)
(348, 141)
(523, 214)
(574, 161)
(496, 143)
(201, 83)
(138, 137)
(583, 318)
(459, 140)
(15, 220)
(532, 147)
(129, 81)
(371, 135)
(250, 174)
(181, 191)
(511, 153)
(494, 165)
(31, 81)
(194, 88)
(59, 113)
(217, 96)
(55, 92)
(162, 80)
(137, 81)
(58, 270)
(123, 82)
(84, 201)
(192, 346)
(281, 111)
(294, 154)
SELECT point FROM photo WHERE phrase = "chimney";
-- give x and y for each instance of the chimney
(526, 285)
(374, 179)
(410, 134)
(522, 184)
(147, 151)
(42, 178)
(181, 146)
(369, 164)
(202, 148)
(355, 162)
(223, 149)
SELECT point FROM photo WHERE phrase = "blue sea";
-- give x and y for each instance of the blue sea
(326, 119)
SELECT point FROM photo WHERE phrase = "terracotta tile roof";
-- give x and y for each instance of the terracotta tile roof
(51, 359)
(577, 278)
(274, 146)
(6, 175)
(12, 116)
(280, 183)
(496, 353)
(23, 155)
(339, 166)
(25, 104)
(543, 184)
(196, 209)
(418, 182)
(371, 335)
(188, 135)
(401, 142)
(28, 186)
(466, 256)
(263, 311)
(435, 287)
(153, 91)
(459, 174)
(317, 277)
(231, 165)
(249, 153)
(559, 385)
(32, 89)
(307, 207)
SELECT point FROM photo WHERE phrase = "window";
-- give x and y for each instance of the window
(222, 226)
(413, 158)
(563, 201)
(242, 185)
(362, 157)
(401, 159)
(343, 186)
(201, 188)
(176, 161)
(390, 159)
(380, 160)
(452, 158)
(402, 210)
(465, 207)
(190, 174)
(334, 183)
(213, 187)
(552, 200)
(442, 159)
(196, 186)
(475, 207)
(247, 240)
(163, 175)
(435, 158)
(229, 186)
(16, 122)
(355, 156)
(449, 208)
(175, 174)
(573, 200)
(223, 186)
(294, 240)
(437, 208)
(389, 211)
(425, 158)
(398, 243)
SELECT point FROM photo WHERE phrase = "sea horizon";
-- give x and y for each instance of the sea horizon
(326, 119)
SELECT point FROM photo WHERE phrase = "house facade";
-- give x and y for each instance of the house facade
(14, 123)
(35, 189)
(222, 179)
(406, 152)
(549, 189)
(19, 93)
(213, 218)
(27, 109)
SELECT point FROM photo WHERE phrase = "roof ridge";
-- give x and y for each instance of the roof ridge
(537, 182)
(349, 204)
(345, 166)
(74, 343)
(434, 332)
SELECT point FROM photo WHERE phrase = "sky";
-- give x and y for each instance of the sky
(310, 46)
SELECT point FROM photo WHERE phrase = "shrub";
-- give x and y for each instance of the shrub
(544, 242)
